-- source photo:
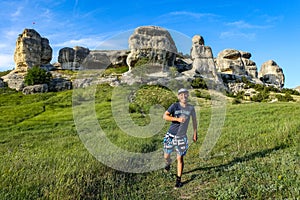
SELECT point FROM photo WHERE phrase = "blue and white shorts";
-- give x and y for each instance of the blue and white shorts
(179, 143)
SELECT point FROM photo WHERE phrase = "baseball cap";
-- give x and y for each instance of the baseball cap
(182, 90)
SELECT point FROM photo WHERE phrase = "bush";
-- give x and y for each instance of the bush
(37, 75)
(199, 83)
(286, 98)
(261, 97)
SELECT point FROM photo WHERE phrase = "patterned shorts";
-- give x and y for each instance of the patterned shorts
(179, 143)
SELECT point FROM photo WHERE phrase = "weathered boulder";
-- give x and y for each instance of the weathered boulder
(203, 62)
(31, 50)
(59, 84)
(250, 66)
(271, 73)
(40, 88)
(14, 80)
(102, 59)
(230, 61)
(72, 58)
(154, 44)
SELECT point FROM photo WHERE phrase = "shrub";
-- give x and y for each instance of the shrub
(261, 97)
(199, 83)
(37, 75)
(236, 101)
(286, 98)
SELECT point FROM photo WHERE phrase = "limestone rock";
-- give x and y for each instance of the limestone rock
(72, 58)
(153, 43)
(230, 61)
(271, 73)
(203, 62)
(59, 84)
(31, 50)
(14, 80)
(250, 66)
(40, 88)
(102, 59)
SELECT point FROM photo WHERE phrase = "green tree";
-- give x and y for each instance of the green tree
(37, 75)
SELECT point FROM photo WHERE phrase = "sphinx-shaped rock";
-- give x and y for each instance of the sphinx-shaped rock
(203, 62)
(31, 50)
(271, 73)
(154, 44)
(72, 58)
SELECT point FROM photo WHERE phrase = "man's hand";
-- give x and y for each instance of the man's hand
(195, 137)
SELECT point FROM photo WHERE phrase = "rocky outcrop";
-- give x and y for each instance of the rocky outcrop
(14, 80)
(203, 62)
(32, 89)
(250, 66)
(79, 58)
(72, 58)
(154, 44)
(231, 61)
(31, 50)
(271, 73)
(102, 59)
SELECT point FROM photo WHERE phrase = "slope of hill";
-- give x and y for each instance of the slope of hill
(42, 157)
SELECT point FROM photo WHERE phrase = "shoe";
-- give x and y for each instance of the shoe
(178, 185)
(167, 168)
(178, 182)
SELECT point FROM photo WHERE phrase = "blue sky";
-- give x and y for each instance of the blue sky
(268, 29)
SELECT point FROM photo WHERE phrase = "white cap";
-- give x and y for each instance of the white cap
(182, 90)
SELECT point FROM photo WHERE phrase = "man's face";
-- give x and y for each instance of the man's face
(183, 97)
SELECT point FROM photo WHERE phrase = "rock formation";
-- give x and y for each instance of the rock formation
(102, 59)
(230, 61)
(271, 73)
(31, 50)
(250, 66)
(79, 58)
(72, 58)
(154, 44)
(155, 51)
(203, 62)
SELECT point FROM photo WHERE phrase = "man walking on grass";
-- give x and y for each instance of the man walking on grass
(176, 138)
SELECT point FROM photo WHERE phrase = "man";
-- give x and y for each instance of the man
(179, 114)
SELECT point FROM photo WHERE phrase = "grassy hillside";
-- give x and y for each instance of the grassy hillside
(42, 156)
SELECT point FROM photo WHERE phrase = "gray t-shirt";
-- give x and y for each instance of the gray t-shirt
(175, 110)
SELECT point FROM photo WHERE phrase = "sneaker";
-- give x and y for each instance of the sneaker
(178, 184)
(167, 168)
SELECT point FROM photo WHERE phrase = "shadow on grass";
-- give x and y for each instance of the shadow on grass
(222, 167)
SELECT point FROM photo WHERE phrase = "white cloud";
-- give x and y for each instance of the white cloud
(237, 35)
(191, 14)
(17, 13)
(84, 42)
(242, 24)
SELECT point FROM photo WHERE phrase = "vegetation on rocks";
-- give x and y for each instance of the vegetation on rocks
(37, 75)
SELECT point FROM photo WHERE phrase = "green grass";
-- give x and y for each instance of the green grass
(42, 156)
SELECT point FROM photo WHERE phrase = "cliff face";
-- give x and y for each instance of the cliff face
(31, 50)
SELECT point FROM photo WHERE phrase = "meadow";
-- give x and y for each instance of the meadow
(42, 156)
